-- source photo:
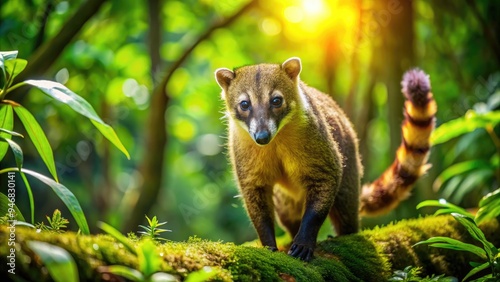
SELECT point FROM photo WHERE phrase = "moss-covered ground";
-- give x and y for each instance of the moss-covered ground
(371, 255)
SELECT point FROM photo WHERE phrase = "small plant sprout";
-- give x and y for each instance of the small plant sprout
(153, 231)
(56, 224)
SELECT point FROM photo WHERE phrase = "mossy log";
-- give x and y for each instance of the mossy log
(371, 255)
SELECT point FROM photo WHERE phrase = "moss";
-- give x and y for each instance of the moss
(396, 244)
(260, 264)
(358, 255)
(370, 255)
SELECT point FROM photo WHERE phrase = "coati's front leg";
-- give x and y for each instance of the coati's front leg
(319, 200)
(260, 208)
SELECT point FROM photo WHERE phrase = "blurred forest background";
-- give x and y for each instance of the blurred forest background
(147, 68)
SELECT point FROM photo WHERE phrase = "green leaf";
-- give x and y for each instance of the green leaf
(6, 123)
(16, 149)
(9, 55)
(476, 269)
(38, 138)
(66, 196)
(30, 196)
(124, 271)
(488, 212)
(472, 181)
(4, 208)
(24, 223)
(149, 259)
(489, 198)
(476, 233)
(468, 123)
(110, 134)
(444, 204)
(59, 263)
(453, 244)
(459, 168)
(451, 186)
(11, 132)
(4, 57)
(117, 235)
(14, 67)
(62, 94)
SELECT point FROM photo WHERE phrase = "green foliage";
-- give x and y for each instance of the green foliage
(63, 193)
(9, 209)
(489, 206)
(58, 261)
(468, 123)
(153, 231)
(38, 137)
(62, 94)
(412, 274)
(489, 254)
(148, 257)
(446, 207)
(56, 224)
(463, 177)
(11, 66)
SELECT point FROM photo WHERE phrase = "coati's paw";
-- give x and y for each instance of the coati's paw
(272, 249)
(302, 251)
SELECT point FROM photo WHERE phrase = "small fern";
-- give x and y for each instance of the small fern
(56, 224)
(153, 231)
(412, 274)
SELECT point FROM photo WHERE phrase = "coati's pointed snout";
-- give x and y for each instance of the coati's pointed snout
(262, 137)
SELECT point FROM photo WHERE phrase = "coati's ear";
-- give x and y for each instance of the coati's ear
(292, 67)
(224, 77)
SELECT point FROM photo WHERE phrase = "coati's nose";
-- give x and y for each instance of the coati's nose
(262, 137)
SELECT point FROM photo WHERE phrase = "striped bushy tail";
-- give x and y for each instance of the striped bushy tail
(395, 184)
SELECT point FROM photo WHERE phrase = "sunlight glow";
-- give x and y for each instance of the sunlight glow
(294, 14)
(332, 23)
(313, 7)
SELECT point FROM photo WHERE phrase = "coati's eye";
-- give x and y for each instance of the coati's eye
(277, 102)
(245, 105)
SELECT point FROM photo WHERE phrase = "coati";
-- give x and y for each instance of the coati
(296, 158)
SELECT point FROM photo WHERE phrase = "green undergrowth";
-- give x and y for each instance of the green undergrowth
(371, 255)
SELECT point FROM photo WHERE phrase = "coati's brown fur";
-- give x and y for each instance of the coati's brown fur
(295, 153)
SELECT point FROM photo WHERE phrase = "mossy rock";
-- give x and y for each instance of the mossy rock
(371, 255)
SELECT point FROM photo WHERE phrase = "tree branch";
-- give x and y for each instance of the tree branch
(43, 23)
(204, 36)
(43, 58)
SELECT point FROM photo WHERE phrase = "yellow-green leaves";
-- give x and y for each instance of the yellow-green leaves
(468, 123)
(4, 208)
(14, 67)
(38, 138)
(62, 94)
(6, 122)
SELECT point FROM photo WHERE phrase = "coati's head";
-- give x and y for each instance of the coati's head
(261, 98)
